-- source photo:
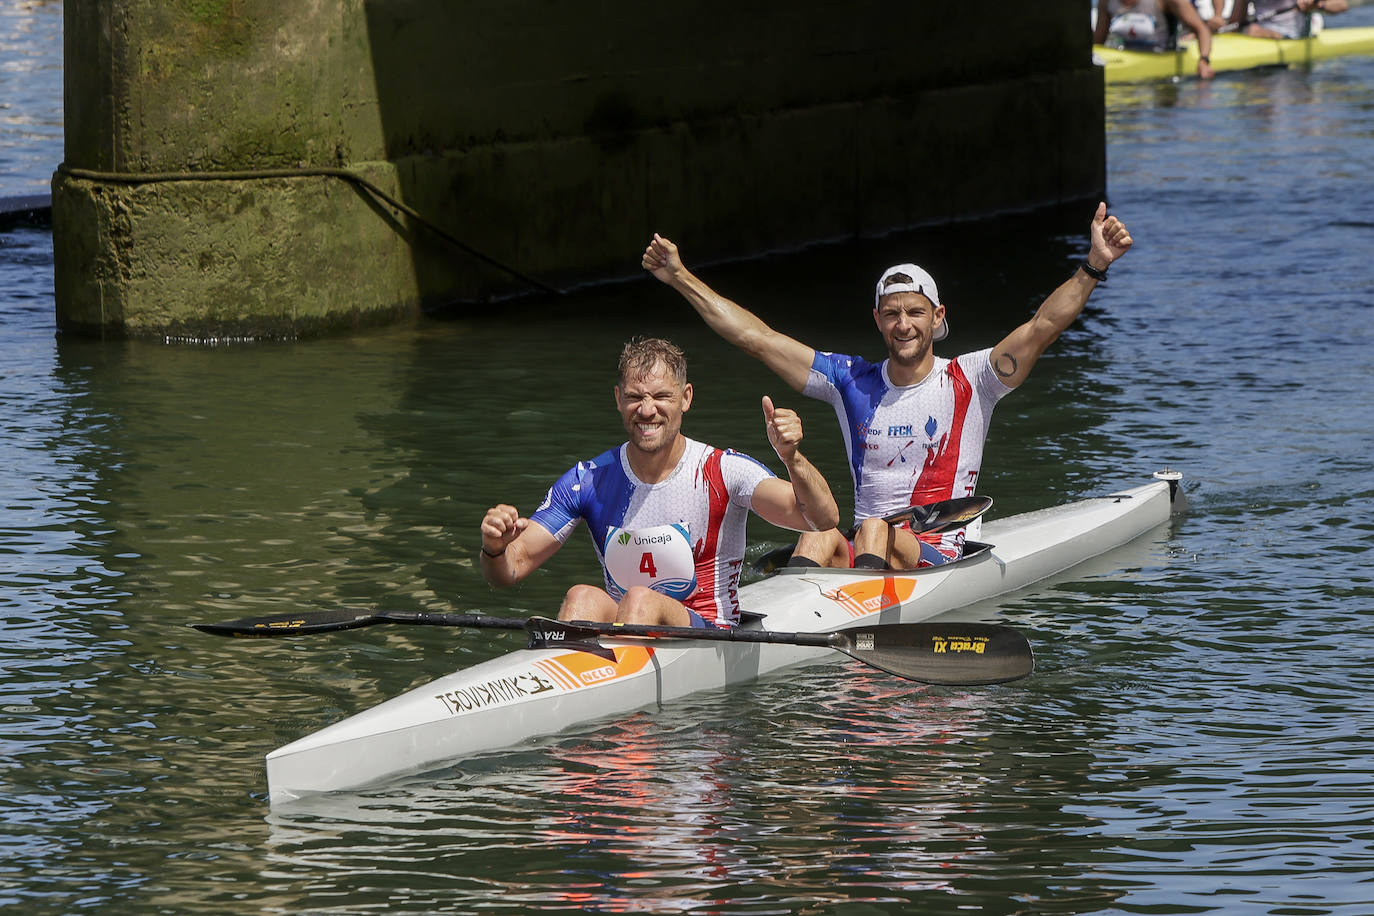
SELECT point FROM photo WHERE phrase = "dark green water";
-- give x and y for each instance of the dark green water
(1194, 741)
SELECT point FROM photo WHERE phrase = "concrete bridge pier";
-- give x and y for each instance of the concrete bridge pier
(246, 168)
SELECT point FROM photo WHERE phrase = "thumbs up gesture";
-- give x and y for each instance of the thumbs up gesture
(784, 429)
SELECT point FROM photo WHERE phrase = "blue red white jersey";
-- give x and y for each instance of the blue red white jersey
(683, 536)
(914, 444)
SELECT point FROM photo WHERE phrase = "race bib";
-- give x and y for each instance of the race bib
(1133, 30)
(659, 558)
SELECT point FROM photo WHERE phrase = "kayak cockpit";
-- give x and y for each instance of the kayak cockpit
(973, 550)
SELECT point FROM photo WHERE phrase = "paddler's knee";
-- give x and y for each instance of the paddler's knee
(644, 606)
(587, 602)
(821, 548)
(874, 538)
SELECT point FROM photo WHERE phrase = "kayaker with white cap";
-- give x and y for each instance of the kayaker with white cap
(913, 424)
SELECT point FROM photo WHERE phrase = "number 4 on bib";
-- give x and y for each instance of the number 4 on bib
(659, 558)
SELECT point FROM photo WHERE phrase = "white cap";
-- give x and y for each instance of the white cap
(916, 281)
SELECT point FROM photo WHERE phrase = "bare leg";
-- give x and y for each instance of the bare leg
(647, 607)
(824, 548)
(587, 602)
(897, 547)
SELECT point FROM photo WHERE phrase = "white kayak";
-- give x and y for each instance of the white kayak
(530, 693)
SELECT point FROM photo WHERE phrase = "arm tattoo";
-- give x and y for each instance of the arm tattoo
(1005, 365)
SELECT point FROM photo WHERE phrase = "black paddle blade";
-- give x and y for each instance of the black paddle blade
(560, 634)
(955, 653)
(942, 516)
(298, 624)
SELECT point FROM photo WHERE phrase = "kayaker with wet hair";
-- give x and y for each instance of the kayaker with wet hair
(666, 513)
(1152, 25)
(914, 425)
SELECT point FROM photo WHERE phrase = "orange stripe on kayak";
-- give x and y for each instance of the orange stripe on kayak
(872, 595)
(557, 673)
(582, 669)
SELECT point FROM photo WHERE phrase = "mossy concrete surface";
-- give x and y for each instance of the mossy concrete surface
(553, 139)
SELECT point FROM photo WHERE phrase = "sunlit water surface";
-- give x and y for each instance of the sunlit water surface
(1195, 739)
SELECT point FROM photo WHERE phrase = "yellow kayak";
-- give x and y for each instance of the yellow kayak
(1232, 52)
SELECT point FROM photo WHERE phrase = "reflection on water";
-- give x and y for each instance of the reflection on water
(858, 790)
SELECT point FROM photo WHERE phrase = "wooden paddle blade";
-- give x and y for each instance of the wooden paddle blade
(954, 653)
(299, 624)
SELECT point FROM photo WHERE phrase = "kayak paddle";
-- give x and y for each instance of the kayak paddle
(955, 653)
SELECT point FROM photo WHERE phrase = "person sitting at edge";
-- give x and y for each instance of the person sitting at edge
(666, 513)
(914, 424)
(1282, 18)
(1152, 25)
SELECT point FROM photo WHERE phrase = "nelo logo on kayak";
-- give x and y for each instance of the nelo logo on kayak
(872, 595)
(595, 675)
(577, 670)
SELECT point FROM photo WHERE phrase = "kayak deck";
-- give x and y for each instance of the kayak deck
(1232, 52)
(530, 693)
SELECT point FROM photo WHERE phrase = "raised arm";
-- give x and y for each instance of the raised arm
(512, 547)
(1014, 357)
(804, 502)
(789, 358)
